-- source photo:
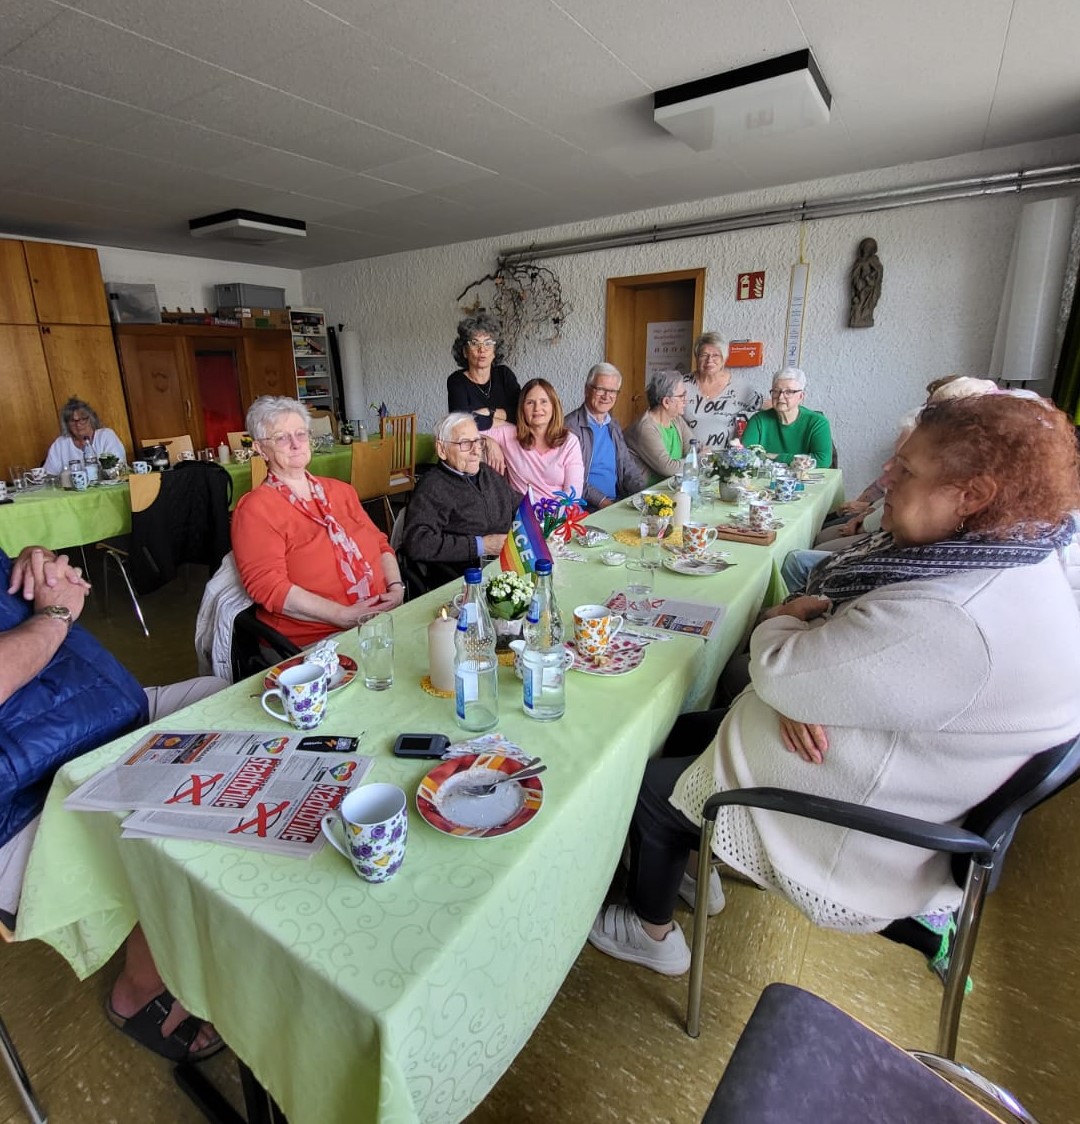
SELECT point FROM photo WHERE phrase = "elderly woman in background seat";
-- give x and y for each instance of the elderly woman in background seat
(483, 386)
(717, 400)
(660, 437)
(789, 428)
(307, 552)
(541, 455)
(918, 674)
(81, 433)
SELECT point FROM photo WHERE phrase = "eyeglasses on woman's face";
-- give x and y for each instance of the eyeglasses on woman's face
(484, 343)
(787, 393)
(284, 440)
(80, 419)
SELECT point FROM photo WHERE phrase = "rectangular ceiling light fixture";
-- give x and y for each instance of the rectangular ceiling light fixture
(761, 100)
(246, 226)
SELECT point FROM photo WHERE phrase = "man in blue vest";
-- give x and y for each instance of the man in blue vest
(61, 695)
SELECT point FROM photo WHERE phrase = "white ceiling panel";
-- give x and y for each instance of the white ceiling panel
(90, 55)
(233, 34)
(392, 124)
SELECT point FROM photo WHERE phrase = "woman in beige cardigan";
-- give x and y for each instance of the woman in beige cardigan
(921, 671)
(660, 437)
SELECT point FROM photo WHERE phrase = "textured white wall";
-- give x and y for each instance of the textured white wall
(944, 273)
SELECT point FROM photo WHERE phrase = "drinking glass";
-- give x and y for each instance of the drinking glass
(377, 651)
(652, 554)
(639, 592)
(18, 478)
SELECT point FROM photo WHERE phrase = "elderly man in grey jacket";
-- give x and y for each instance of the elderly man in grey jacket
(611, 470)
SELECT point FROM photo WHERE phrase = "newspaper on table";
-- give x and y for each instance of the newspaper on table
(268, 791)
(687, 618)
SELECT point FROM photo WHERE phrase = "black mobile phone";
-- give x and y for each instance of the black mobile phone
(329, 743)
(421, 745)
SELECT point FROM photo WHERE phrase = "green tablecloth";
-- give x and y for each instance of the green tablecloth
(405, 1001)
(53, 518)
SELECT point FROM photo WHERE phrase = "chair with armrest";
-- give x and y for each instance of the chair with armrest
(370, 475)
(400, 430)
(978, 848)
(174, 446)
(14, 1062)
(800, 1058)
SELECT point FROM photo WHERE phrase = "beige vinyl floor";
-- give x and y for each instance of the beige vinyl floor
(612, 1046)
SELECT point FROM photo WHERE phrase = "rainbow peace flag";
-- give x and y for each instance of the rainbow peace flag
(525, 544)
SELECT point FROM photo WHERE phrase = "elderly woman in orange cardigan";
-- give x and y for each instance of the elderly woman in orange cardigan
(307, 552)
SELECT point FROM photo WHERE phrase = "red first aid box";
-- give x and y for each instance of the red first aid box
(746, 353)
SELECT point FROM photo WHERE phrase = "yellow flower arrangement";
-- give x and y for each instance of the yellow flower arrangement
(656, 503)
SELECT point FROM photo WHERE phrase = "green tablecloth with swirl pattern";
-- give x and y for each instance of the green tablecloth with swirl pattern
(404, 1001)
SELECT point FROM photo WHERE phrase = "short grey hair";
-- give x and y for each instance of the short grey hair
(444, 432)
(71, 407)
(663, 385)
(598, 369)
(712, 339)
(264, 412)
(790, 374)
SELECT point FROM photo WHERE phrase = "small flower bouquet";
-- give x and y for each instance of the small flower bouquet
(508, 595)
(658, 504)
(736, 463)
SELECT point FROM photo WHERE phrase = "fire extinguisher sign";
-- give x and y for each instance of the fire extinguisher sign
(750, 286)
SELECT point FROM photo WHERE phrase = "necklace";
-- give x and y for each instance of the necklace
(483, 387)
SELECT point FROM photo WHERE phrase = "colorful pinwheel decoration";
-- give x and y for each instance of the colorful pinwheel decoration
(562, 517)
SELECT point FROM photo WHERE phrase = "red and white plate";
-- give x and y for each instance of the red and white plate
(344, 675)
(442, 803)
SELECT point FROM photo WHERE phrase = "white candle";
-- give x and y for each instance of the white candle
(682, 509)
(440, 635)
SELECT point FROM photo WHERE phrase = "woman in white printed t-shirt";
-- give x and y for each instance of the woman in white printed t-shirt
(717, 399)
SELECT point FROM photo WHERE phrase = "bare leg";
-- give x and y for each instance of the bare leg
(139, 982)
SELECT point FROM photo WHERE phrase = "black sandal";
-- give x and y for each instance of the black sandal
(145, 1027)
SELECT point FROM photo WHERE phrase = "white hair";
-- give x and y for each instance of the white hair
(964, 387)
(264, 412)
(598, 369)
(445, 430)
(790, 374)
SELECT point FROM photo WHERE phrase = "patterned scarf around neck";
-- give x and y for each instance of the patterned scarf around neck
(353, 568)
(879, 561)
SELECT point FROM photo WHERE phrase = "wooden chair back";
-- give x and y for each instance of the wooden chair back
(235, 438)
(145, 489)
(174, 446)
(323, 423)
(400, 431)
(259, 469)
(370, 474)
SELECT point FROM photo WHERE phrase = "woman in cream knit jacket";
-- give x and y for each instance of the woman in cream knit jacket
(919, 672)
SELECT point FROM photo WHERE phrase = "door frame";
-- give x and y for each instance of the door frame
(618, 318)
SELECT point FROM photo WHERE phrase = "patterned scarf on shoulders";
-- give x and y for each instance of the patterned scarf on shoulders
(879, 561)
(353, 568)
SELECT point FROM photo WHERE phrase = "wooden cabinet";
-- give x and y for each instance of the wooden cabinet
(56, 343)
(16, 296)
(199, 380)
(66, 283)
(31, 419)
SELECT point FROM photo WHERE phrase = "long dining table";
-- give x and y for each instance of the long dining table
(61, 518)
(404, 1001)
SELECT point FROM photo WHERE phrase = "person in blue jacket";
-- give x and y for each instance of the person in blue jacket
(61, 695)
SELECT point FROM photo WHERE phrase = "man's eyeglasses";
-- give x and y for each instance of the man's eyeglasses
(785, 393)
(482, 345)
(468, 446)
(603, 392)
(284, 440)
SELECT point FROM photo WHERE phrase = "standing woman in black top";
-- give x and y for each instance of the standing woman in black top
(483, 387)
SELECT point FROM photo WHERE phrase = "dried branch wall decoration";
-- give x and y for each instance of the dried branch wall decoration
(526, 299)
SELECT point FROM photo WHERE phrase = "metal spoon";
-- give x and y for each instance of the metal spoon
(488, 789)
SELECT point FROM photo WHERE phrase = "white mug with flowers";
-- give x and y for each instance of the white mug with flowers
(508, 596)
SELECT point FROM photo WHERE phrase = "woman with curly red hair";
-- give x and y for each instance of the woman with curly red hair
(918, 673)
(541, 455)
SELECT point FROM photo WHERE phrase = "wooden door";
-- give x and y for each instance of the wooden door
(268, 365)
(157, 381)
(215, 378)
(633, 303)
(82, 364)
(16, 296)
(67, 285)
(31, 420)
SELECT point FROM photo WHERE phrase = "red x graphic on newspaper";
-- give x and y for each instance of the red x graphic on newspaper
(265, 817)
(200, 785)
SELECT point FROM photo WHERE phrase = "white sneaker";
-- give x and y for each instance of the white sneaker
(617, 931)
(688, 892)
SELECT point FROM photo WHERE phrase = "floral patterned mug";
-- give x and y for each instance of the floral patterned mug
(374, 824)
(594, 628)
(302, 690)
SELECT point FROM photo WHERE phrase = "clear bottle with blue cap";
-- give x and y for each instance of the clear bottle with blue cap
(476, 666)
(543, 672)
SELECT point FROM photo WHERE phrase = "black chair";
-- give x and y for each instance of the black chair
(800, 1058)
(250, 639)
(978, 848)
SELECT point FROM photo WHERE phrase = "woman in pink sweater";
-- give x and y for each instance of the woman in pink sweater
(541, 455)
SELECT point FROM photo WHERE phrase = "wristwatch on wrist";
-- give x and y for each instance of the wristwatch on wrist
(58, 612)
